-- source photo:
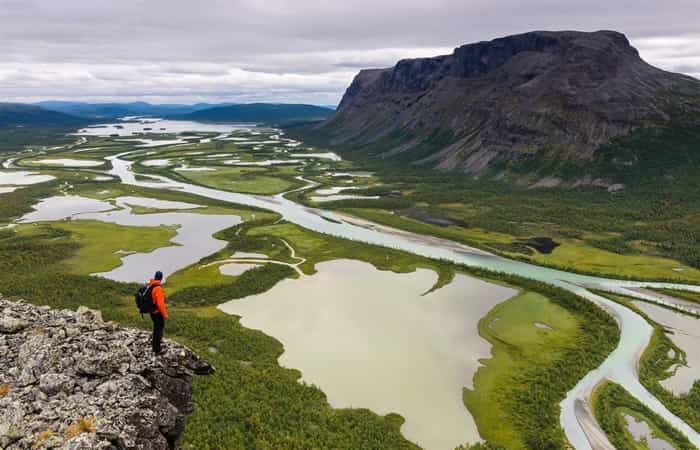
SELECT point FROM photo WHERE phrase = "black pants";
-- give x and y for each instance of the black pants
(158, 326)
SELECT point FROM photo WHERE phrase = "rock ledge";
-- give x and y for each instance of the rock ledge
(70, 380)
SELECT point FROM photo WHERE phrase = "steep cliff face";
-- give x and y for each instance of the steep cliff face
(562, 94)
(69, 380)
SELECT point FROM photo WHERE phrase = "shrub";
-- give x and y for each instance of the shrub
(42, 437)
(82, 425)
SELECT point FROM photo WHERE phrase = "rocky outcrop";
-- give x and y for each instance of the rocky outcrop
(70, 380)
(560, 95)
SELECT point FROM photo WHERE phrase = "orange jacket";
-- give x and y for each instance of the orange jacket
(158, 298)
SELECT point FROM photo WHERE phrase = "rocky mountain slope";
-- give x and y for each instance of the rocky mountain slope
(557, 95)
(70, 380)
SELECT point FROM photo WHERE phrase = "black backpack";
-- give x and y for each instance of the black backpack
(144, 299)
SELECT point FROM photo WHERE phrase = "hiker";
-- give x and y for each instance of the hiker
(159, 314)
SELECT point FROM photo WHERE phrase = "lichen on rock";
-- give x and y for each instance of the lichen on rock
(70, 380)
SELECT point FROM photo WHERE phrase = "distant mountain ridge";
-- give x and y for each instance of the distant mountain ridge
(553, 95)
(22, 115)
(210, 112)
(113, 110)
(271, 113)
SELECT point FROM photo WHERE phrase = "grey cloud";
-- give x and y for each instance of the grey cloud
(687, 68)
(283, 50)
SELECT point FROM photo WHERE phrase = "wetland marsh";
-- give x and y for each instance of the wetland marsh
(362, 328)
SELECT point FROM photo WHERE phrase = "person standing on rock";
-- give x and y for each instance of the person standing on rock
(160, 313)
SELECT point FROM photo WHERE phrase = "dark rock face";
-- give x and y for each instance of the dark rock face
(70, 380)
(562, 93)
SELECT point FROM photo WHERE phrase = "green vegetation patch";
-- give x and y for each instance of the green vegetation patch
(584, 258)
(611, 401)
(196, 275)
(16, 138)
(251, 282)
(15, 204)
(316, 248)
(525, 331)
(244, 180)
(574, 254)
(99, 243)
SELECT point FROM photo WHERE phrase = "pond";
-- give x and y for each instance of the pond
(135, 127)
(371, 339)
(20, 178)
(236, 269)
(642, 433)
(67, 162)
(334, 190)
(193, 241)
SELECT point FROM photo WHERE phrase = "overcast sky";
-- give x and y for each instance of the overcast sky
(307, 51)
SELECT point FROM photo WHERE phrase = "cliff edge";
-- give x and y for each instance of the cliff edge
(70, 380)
